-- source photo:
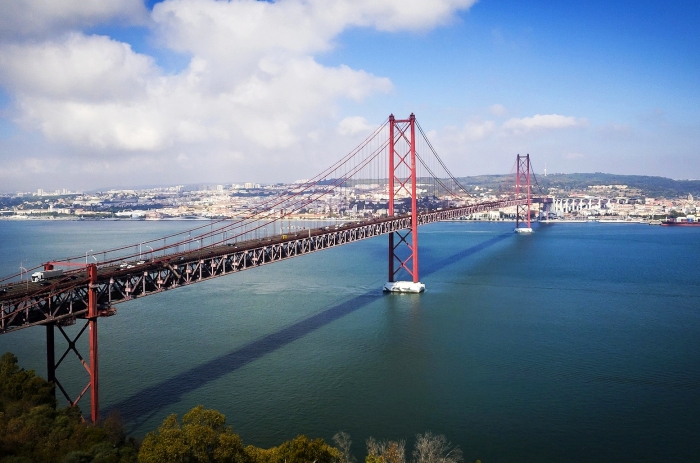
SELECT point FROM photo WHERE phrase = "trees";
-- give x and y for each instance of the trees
(431, 448)
(301, 449)
(30, 425)
(343, 443)
(385, 451)
(32, 429)
(202, 437)
(20, 389)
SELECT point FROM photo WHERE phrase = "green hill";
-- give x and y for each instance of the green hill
(655, 187)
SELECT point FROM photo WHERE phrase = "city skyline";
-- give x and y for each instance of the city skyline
(184, 91)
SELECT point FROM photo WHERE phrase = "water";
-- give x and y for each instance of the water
(577, 343)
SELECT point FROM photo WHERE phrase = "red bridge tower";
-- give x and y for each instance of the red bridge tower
(403, 245)
(522, 182)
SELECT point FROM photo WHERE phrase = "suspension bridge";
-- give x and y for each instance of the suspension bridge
(397, 162)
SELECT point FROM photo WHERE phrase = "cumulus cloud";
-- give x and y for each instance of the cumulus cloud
(252, 85)
(39, 18)
(76, 67)
(232, 36)
(95, 92)
(541, 121)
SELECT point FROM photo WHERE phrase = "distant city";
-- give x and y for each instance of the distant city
(572, 200)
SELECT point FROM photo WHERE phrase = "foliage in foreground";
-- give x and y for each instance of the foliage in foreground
(204, 437)
(429, 448)
(32, 429)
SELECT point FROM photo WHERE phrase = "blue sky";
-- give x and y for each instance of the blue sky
(187, 91)
(601, 60)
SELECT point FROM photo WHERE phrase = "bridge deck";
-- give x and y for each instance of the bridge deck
(63, 300)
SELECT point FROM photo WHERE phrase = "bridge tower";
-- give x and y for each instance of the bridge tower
(522, 185)
(403, 245)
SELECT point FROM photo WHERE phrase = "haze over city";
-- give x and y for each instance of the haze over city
(122, 93)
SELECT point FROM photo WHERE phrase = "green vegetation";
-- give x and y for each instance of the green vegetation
(32, 429)
(655, 187)
(204, 437)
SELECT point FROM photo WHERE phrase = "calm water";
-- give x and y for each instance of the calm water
(578, 343)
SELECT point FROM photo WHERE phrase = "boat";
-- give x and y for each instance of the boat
(680, 223)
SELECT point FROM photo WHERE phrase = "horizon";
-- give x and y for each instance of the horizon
(210, 183)
(120, 92)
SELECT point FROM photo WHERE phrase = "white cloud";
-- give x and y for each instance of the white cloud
(498, 110)
(477, 130)
(393, 15)
(233, 36)
(252, 86)
(354, 125)
(94, 92)
(31, 18)
(76, 67)
(541, 121)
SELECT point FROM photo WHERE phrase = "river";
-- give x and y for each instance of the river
(576, 343)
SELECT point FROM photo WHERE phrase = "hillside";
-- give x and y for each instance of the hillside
(655, 187)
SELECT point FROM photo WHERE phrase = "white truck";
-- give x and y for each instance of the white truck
(46, 275)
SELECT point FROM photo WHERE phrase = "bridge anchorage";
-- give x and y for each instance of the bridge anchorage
(390, 184)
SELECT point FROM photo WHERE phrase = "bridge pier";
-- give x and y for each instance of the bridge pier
(92, 321)
(91, 366)
(50, 356)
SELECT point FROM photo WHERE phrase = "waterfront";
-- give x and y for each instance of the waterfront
(573, 344)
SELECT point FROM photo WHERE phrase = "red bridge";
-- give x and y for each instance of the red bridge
(419, 190)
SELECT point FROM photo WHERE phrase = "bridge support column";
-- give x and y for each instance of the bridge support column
(91, 366)
(50, 356)
(403, 245)
(92, 320)
(522, 182)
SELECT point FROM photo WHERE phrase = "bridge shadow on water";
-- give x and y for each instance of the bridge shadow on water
(146, 403)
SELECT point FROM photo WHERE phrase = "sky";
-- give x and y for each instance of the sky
(125, 93)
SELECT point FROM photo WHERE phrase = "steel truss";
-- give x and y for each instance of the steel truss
(91, 294)
(68, 300)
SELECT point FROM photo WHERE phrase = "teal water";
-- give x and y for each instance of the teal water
(578, 343)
